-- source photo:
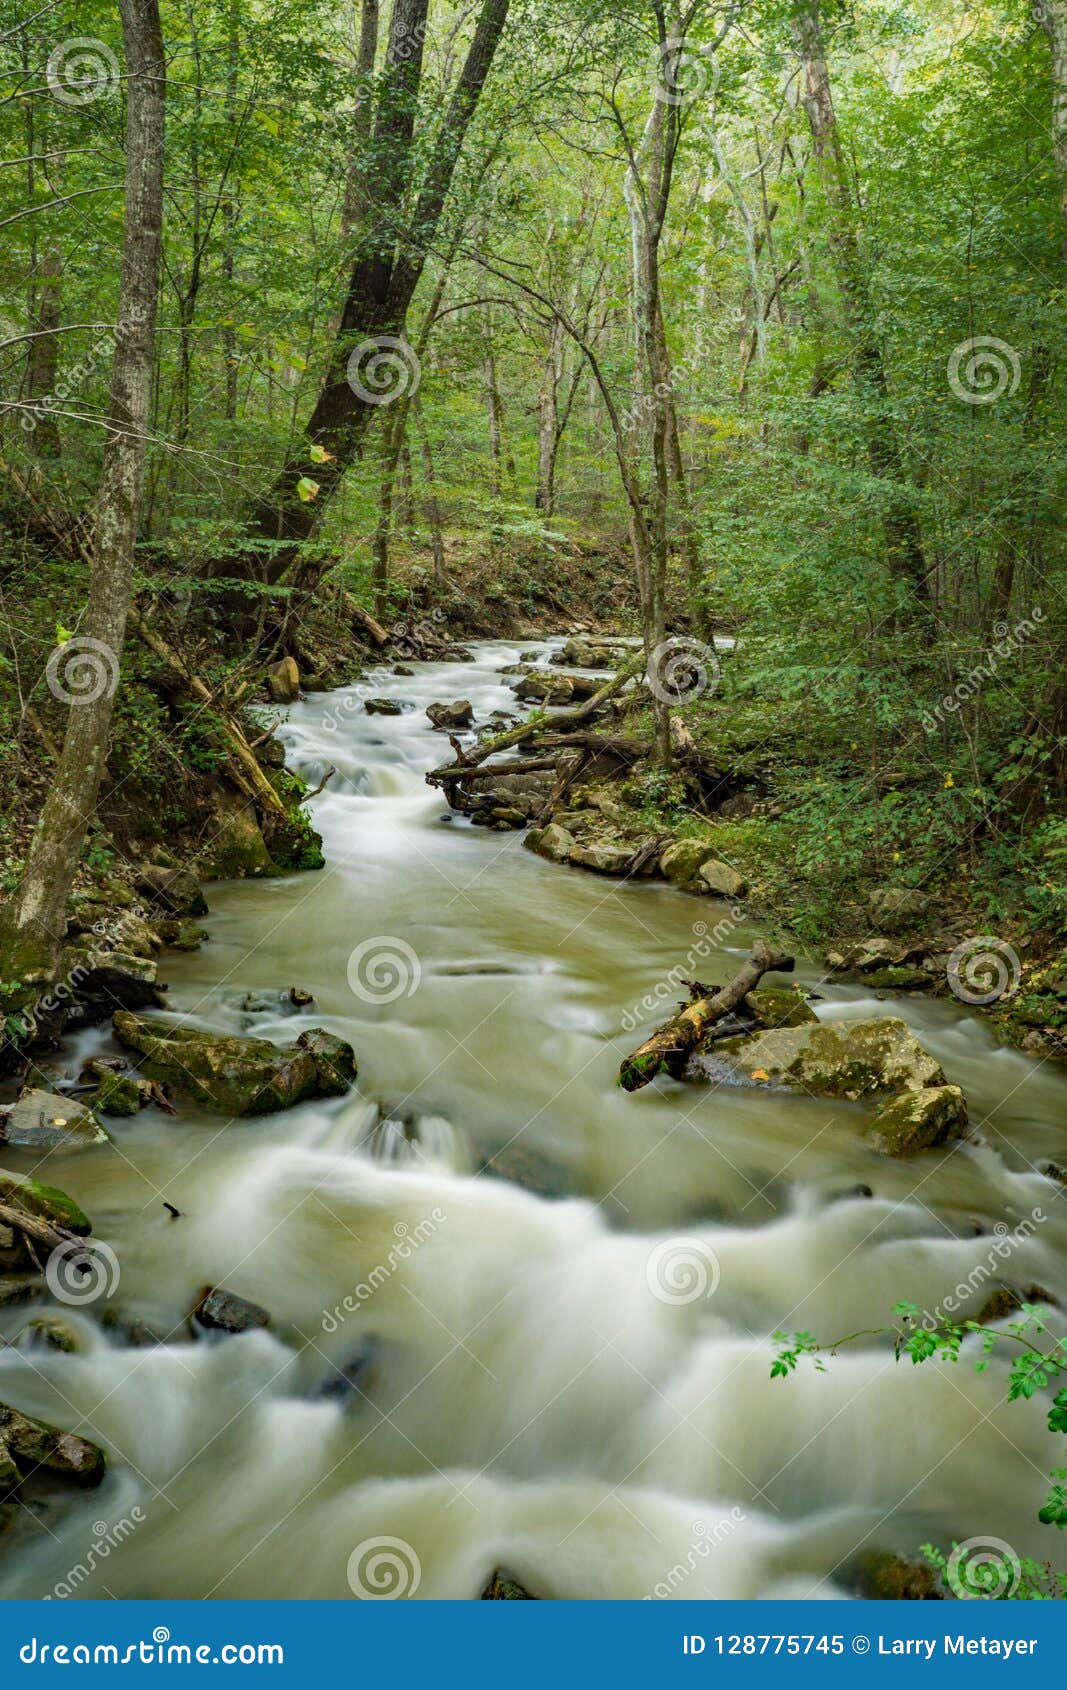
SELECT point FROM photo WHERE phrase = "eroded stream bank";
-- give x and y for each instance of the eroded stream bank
(501, 1376)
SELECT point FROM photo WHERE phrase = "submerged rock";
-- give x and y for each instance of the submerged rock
(48, 1332)
(459, 714)
(886, 1577)
(239, 1076)
(42, 1120)
(224, 1311)
(34, 1444)
(383, 707)
(505, 1587)
(529, 1169)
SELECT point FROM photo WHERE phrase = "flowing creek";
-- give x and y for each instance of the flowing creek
(509, 1384)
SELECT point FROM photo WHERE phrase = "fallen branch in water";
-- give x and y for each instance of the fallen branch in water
(535, 726)
(670, 1045)
(315, 790)
(38, 1231)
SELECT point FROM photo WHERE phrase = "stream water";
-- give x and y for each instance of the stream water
(573, 1385)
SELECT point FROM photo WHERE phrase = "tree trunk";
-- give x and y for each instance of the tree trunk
(386, 270)
(86, 670)
(548, 428)
(1053, 15)
(904, 550)
(430, 503)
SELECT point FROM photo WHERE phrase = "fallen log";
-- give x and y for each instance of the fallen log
(533, 728)
(38, 1231)
(670, 1045)
(366, 621)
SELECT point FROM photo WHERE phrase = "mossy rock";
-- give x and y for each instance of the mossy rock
(34, 1444)
(238, 1076)
(552, 842)
(117, 1094)
(847, 1059)
(919, 1120)
(780, 1006)
(44, 1200)
(42, 1120)
(885, 1577)
(505, 1587)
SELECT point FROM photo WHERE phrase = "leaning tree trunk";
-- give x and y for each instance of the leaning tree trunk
(904, 549)
(389, 260)
(85, 672)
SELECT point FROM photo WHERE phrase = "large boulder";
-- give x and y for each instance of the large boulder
(459, 714)
(42, 1120)
(847, 1059)
(553, 842)
(780, 1006)
(383, 706)
(236, 848)
(556, 689)
(590, 651)
(283, 681)
(99, 982)
(681, 862)
(721, 879)
(602, 856)
(238, 1076)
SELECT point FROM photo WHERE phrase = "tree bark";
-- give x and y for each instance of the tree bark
(669, 1047)
(1053, 16)
(389, 259)
(904, 549)
(35, 922)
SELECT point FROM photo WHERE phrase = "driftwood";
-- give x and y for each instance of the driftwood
(248, 775)
(367, 622)
(531, 729)
(38, 1231)
(670, 1045)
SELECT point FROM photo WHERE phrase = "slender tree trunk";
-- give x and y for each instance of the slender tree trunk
(904, 549)
(1053, 15)
(430, 503)
(87, 667)
(230, 216)
(548, 427)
